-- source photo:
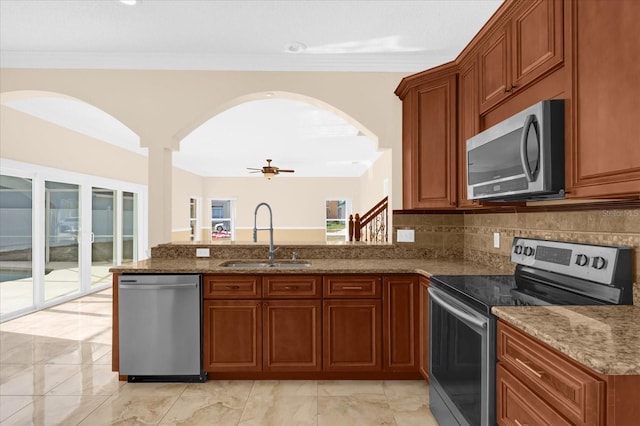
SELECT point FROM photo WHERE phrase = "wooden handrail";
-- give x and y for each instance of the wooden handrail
(374, 223)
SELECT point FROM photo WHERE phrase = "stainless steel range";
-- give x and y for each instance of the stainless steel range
(462, 330)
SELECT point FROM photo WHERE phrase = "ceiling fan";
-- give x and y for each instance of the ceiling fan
(270, 171)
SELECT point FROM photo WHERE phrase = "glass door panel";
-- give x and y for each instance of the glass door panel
(62, 226)
(16, 251)
(102, 235)
(129, 228)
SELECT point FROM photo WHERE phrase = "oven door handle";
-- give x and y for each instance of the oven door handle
(455, 308)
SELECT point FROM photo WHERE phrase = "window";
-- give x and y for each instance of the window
(193, 220)
(222, 219)
(337, 212)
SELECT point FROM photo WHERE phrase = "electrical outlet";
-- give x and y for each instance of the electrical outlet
(496, 240)
(406, 236)
(202, 252)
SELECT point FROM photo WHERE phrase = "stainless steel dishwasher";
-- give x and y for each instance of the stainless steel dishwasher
(160, 327)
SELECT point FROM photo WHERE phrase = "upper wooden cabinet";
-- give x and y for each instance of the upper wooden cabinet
(603, 154)
(468, 124)
(522, 49)
(429, 137)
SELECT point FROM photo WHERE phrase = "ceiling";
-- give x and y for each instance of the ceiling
(305, 35)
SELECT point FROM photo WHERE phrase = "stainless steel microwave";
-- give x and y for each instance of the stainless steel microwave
(520, 158)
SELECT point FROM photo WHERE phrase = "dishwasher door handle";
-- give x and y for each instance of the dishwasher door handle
(156, 286)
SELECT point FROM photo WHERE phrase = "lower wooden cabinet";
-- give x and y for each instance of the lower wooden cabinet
(332, 324)
(423, 328)
(232, 339)
(352, 338)
(291, 337)
(400, 300)
(536, 384)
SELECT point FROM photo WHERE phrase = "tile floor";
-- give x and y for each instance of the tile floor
(55, 369)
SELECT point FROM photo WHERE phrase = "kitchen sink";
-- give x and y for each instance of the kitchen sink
(266, 264)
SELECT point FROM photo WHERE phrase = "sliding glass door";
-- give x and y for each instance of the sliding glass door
(61, 244)
(61, 232)
(16, 250)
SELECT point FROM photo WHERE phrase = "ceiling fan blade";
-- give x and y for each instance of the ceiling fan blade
(256, 171)
(286, 171)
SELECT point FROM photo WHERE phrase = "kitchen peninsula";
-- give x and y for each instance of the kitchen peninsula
(393, 266)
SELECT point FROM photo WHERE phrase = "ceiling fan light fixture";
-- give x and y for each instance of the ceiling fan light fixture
(268, 175)
(129, 2)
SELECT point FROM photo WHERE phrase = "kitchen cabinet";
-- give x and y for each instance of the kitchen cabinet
(468, 124)
(352, 324)
(292, 328)
(429, 138)
(535, 384)
(400, 331)
(232, 335)
(423, 328)
(603, 154)
(519, 51)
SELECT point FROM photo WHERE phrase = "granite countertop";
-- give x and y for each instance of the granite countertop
(603, 338)
(426, 267)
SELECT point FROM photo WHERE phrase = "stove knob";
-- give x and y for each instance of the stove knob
(599, 262)
(518, 249)
(582, 260)
(528, 251)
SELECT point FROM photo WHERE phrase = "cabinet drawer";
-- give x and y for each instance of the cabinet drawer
(352, 287)
(232, 286)
(292, 286)
(561, 382)
(517, 405)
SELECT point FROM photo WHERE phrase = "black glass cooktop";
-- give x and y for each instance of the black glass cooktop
(481, 291)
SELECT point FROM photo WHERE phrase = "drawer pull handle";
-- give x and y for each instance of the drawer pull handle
(233, 287)
(538, 374)
(291, 287)
(352, 288)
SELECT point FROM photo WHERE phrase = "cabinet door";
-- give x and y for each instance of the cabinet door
(468, 124)
(516, 404)
(292, 286)
(495, 68)
(352, 338)
(537, 35)
(424, 328)
(400, 343)
(352, 286)
(432, 179)
(292, 339)
(232, 335)
(605, 146)
(232, 286)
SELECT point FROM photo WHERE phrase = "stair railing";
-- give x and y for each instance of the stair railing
(371, 226)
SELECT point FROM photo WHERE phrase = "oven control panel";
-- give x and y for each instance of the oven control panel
(590, 262)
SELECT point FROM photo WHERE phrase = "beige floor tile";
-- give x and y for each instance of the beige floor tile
(33, 379)
(268, 410)
(361, 409)
(93, 379)
(55, 410)
(277, 388)
(349, 387)
(136, 403)
(213, 402)
(11, 404)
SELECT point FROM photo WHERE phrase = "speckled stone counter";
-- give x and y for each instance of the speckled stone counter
(426, 267)
(603, 338)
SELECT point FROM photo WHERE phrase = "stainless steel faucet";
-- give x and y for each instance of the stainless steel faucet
(272, 251)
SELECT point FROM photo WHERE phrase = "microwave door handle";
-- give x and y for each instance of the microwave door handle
(524, 157)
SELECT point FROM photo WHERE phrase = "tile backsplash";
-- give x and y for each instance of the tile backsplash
(471, 235)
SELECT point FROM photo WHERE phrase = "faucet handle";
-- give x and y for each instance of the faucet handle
(294, 255)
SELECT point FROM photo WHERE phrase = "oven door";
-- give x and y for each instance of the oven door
(461, 362)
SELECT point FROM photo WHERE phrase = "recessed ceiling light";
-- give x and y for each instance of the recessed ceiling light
(129, 2)
(296, 47)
